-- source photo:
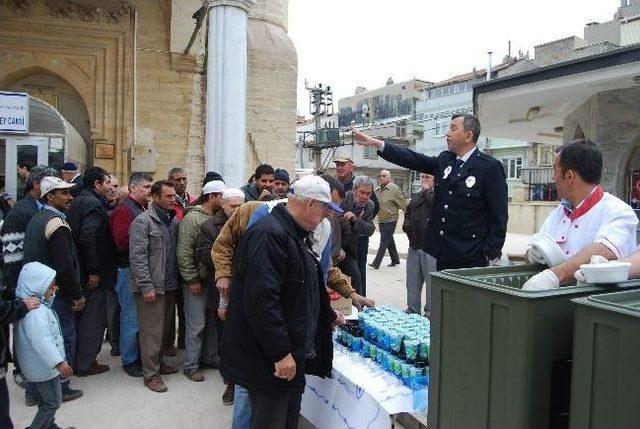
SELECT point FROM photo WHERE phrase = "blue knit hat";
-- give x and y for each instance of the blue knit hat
(69, 166)
(281, 174)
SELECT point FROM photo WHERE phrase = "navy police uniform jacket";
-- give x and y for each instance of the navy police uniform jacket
(468, 224)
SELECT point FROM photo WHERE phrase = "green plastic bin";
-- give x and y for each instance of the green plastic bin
(605, 387)
(500, 356)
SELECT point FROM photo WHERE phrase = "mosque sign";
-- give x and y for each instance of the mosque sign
(14, 112)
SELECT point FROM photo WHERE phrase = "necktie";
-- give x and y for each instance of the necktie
(457, 165)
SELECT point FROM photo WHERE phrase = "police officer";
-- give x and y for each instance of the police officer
(469, 220)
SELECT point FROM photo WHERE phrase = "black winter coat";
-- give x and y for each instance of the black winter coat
(97, 252)
(274, 273)
(416, 218)
(10, 311)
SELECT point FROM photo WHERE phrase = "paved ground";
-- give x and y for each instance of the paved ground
(114, 400)
(514, 244)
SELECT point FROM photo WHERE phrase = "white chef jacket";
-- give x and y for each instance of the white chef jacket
(610, 222)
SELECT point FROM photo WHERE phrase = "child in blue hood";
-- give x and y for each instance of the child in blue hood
(39, 343)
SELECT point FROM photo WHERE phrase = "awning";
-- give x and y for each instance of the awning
(533, 105)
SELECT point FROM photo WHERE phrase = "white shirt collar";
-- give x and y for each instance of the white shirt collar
(467, 155)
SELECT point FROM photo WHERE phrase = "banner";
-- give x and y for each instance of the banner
(360, 394)
(14, 112)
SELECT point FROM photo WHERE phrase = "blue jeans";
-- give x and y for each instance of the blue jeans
(67, 317)
(50, 393)
(129, 348)
(241, 408)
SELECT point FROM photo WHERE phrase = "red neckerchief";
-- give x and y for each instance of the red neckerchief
(586, 205)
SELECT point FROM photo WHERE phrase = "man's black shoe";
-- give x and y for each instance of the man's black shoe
(133, 369)
(393, 264)
(115, 352)
(69, 394)
(375, 267)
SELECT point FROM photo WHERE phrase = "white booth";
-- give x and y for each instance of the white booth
(33, 130)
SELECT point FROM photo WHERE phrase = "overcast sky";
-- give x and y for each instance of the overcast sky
(350, 43)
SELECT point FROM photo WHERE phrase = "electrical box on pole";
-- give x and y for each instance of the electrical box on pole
(321, 105)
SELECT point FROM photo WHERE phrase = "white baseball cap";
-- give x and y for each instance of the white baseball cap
(316, 188)
(232, 193)
(214, 187)
(50, 183)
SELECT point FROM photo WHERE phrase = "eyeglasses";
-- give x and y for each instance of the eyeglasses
(326, 209)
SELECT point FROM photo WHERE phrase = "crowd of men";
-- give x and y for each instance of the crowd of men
(138, 267)
(238, 277)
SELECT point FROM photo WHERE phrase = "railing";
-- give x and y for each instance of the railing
(537, 175)
(540, 183)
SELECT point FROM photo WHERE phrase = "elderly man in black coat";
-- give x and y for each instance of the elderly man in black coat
(279, 322)
(470, 207)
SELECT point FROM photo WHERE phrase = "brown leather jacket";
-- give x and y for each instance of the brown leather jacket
(222, 250)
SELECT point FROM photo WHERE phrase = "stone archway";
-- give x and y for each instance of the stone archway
(89, 48)
(60, 94)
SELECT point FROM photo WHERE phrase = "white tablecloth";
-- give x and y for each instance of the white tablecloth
(359, 395)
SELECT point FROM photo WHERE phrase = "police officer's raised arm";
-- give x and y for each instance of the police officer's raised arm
(403, 157)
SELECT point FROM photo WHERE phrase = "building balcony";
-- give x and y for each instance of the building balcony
(537, 175)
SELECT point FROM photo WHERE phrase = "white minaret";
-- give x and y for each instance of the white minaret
(225, 133)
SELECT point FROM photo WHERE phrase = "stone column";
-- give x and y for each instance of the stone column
(225, 133)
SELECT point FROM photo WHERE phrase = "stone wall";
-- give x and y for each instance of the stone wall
(528, 217)
(92, 49)
(271, 88)
(170, 93)
(611, 120)
(88, 48)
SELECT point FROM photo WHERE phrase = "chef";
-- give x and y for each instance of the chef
(588, 220)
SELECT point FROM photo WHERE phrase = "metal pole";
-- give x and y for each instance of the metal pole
(317, 152)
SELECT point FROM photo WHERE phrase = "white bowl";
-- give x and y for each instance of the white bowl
(549, 249)
(606, 272)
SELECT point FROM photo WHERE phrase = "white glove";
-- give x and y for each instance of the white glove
(598, 259)
(545, 280)
(534, 255)
(595, 259)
